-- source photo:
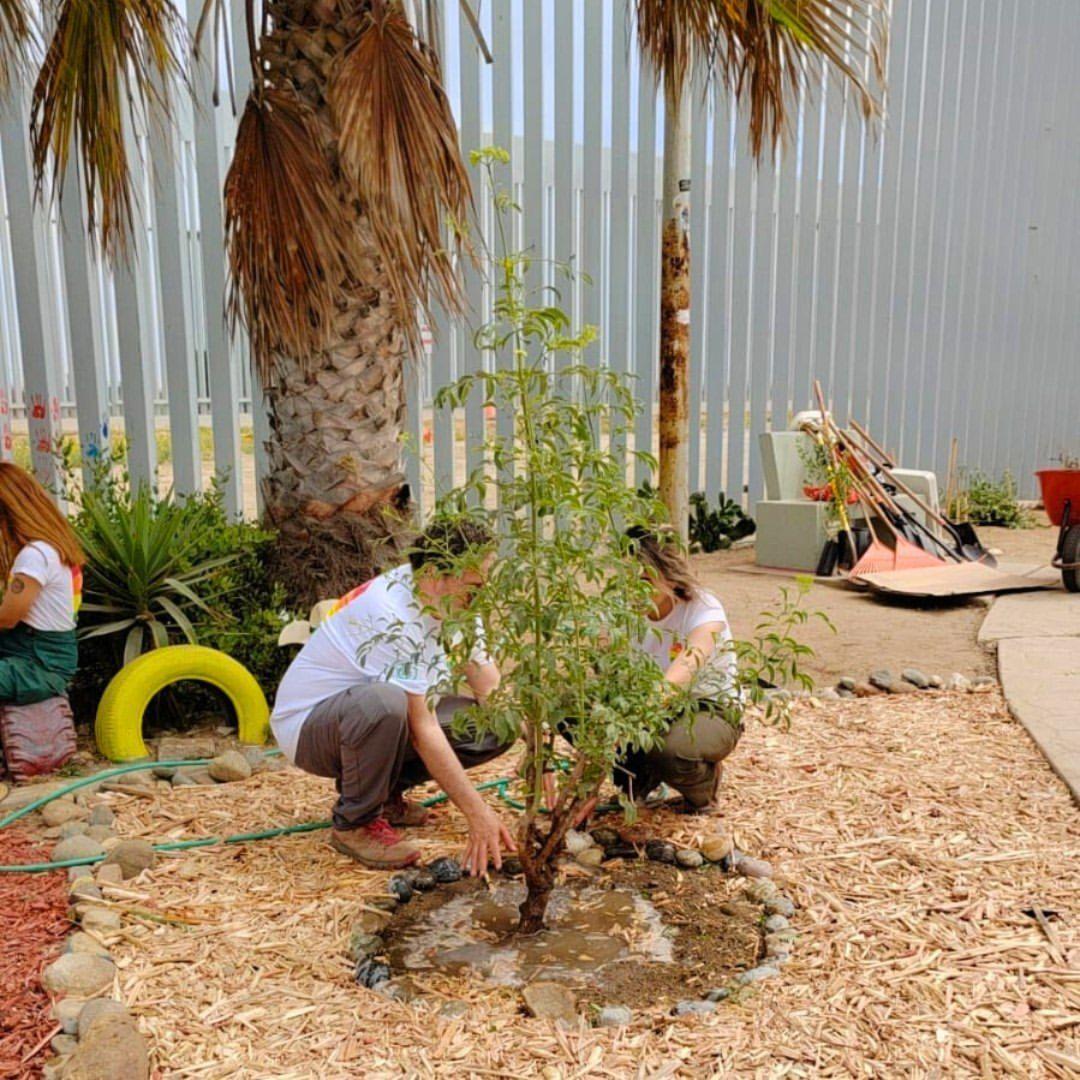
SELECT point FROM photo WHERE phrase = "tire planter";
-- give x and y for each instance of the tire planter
(118, 726)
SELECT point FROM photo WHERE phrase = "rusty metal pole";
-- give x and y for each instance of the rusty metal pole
(675, 310)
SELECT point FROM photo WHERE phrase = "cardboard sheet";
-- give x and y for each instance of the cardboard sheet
(962, 579)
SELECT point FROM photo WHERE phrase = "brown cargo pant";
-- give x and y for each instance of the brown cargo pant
(360, 739)
(687, 761)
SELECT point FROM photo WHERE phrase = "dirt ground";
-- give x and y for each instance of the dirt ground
(871, 633)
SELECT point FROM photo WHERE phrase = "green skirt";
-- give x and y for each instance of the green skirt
(36, 664)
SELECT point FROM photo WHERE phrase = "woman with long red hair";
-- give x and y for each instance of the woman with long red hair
(41, 563)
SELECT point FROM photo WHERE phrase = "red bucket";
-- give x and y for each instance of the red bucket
(1058, 485)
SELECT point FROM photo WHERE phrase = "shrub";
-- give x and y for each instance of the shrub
(984, 501)
(565, 601)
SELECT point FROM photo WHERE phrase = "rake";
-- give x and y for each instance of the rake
(878, 557)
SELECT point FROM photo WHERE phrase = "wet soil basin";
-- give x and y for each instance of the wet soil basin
(640, 934)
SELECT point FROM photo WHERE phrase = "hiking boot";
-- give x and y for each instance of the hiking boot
(375, 844)
(405, 813)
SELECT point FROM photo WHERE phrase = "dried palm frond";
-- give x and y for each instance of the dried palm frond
(760, 48)
(285, 231)
(105, 58)
(16, 29)
(398, 143)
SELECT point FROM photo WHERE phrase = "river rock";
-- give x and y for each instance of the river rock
(757, 974)
(865, 689)
(591, 857)
(761, 890)
(100, 833)
(421, 879)
(102, 920)
(79, 974)
(936, 681)
(188, 748)
(66, 1013)
(754, 868)
(85, 889)
(550, 1001)
(958, 682)
(901, 687)
(382, 903)
(716, 848)
(71, 828)
(255, 756)
(400, 888)
(605, 836)
(79, 942)
(844, 695)
(660, 851)
(445, 870)
(511, 866)
(63, 1044)
(132, 856)
(829, 694)
(776, 922)
(694, 1008)
(363, 944)
(882, 678)
(92, 1011)
(77, 847)
(983, 684)
(369, 973)
(688, 858)
(370, 922)
(780, 905)
(109, 874)
(614, 1016)
(577, 842)
(721, 993)
(846, 682)
(61, 810)
(453, 1010)
(111, 1047)
(915, 677)
(230, 766)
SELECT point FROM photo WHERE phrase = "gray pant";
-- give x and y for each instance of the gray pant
(686, 761)
(360, 739)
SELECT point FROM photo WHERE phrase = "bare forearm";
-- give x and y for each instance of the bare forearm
(441, 761)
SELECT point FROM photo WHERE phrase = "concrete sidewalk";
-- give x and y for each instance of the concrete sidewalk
(1037, 636)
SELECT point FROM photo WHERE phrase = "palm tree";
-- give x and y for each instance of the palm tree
(759, 50)
(345, 171)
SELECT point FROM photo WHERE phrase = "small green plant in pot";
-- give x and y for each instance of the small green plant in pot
(565, 602)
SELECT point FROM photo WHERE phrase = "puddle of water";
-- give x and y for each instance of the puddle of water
(588, 930)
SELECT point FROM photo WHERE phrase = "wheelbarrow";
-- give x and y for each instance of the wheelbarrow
(1061, 497)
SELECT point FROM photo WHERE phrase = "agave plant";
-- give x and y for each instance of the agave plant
(145, 573)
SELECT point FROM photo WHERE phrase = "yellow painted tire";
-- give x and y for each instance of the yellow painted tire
(118, 727)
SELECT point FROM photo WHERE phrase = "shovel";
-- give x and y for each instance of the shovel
(963, 533)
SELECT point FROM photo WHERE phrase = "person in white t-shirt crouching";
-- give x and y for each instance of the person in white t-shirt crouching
(355, 704)
(690, 640)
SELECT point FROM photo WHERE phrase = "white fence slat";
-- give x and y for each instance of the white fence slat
(41, 391)
(592, 230)
(88, 361)
(700, 328)
(646, 260)
(787, 190)
(760, 337)
(224, 391)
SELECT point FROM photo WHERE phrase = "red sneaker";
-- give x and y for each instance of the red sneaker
(376, 844)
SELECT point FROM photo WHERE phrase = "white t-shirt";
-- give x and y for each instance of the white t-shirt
(61, 587)
(377, 633)
(666, 638)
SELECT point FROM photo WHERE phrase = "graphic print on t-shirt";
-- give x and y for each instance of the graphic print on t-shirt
(348, 598)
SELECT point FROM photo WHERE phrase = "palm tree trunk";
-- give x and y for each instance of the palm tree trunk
(675, 310)
(335, 481)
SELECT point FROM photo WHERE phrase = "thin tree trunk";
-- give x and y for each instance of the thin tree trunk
(675, 311)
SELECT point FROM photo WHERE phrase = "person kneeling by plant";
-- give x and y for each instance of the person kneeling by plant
(690, 640)
(41, 562)
(354, 704)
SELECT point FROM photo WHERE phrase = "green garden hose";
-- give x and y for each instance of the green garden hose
(499, 786)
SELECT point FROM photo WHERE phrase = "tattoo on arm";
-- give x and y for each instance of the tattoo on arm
(17, 585)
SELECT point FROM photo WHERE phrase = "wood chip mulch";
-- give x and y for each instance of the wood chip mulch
(919, 835)
(33, 910)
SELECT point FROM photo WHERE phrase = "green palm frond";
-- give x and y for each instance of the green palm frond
(761, 49)
(107, 60)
